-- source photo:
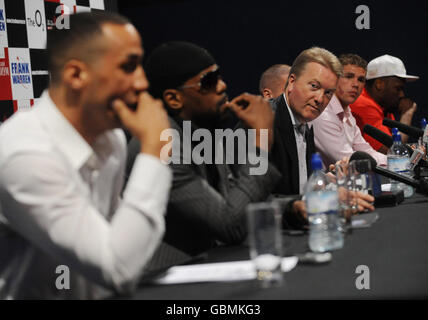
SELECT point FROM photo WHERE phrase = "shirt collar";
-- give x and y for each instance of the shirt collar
(65, 136)
(294, 120)
(336, 107)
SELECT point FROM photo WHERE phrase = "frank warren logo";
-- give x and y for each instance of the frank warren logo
(2, 25)
(231, 147)
(20, 72)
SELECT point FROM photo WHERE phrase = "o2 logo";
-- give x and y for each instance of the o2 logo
(37, 21)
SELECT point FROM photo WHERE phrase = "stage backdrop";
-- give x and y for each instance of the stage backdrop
(23, 26)
(246, 37)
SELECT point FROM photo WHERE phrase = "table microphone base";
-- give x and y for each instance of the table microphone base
(389, 198)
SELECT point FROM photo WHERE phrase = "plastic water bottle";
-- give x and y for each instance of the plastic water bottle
(322, 207)
(399, 161)
(423, 123)
(423, 141)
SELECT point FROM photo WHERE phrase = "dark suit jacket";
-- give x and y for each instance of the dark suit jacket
(207, 202)
(284, 151)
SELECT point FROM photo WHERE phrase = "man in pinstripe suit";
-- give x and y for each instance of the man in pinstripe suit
(208, 200)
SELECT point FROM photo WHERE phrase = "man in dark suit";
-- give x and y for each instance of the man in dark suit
(310, 86)
(208, 198)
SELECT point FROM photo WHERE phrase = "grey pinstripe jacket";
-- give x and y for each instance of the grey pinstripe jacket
(201, 213)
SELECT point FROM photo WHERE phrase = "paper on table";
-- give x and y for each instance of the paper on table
(222, 271)
(386, 187)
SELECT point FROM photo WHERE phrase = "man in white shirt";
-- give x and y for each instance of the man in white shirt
(335, 130)
(64, 231)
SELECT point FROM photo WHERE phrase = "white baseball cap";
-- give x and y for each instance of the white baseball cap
(386, 66)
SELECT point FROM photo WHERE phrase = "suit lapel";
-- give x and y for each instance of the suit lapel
(287, 139)
(310, 148)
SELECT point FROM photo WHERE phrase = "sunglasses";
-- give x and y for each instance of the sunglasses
(207, 82)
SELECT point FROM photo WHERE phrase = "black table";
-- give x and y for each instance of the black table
(395, 249)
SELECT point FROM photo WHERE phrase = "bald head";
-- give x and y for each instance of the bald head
(273, 80)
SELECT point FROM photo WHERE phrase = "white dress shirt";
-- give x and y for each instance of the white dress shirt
(61, 206)
(301, 148)
(337, 135)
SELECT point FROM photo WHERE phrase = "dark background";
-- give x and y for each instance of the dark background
(248, 37)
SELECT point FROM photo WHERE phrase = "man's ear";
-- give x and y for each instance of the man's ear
(173, 99)
(379, 84)
(290, 83)
(75, 74)
(267, 93)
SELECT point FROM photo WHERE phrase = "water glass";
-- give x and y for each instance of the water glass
(265, 240)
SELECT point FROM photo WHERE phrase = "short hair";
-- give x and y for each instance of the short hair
(271, 75)
(354, 59)
(317, 55)
(77, 41)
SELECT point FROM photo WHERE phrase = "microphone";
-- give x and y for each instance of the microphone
(409, 130)
(386, 140)
(421, 186)
(360, 155)
(379, 135)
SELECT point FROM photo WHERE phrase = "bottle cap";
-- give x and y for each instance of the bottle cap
(423, 123)
(316, 162)
(394, 131)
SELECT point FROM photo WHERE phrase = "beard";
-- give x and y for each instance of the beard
(216, 120)
(220, 119)
(228, 119)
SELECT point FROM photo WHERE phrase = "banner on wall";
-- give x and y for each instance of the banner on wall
(23, 35)
(3, 31)
(36, 23)
(20, 72)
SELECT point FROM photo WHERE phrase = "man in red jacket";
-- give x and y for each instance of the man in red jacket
(382, 96)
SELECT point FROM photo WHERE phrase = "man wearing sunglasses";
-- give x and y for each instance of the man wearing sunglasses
(208, 200)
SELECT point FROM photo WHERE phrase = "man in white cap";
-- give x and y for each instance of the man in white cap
(382, 96)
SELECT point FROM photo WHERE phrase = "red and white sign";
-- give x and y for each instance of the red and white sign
(5, 88)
